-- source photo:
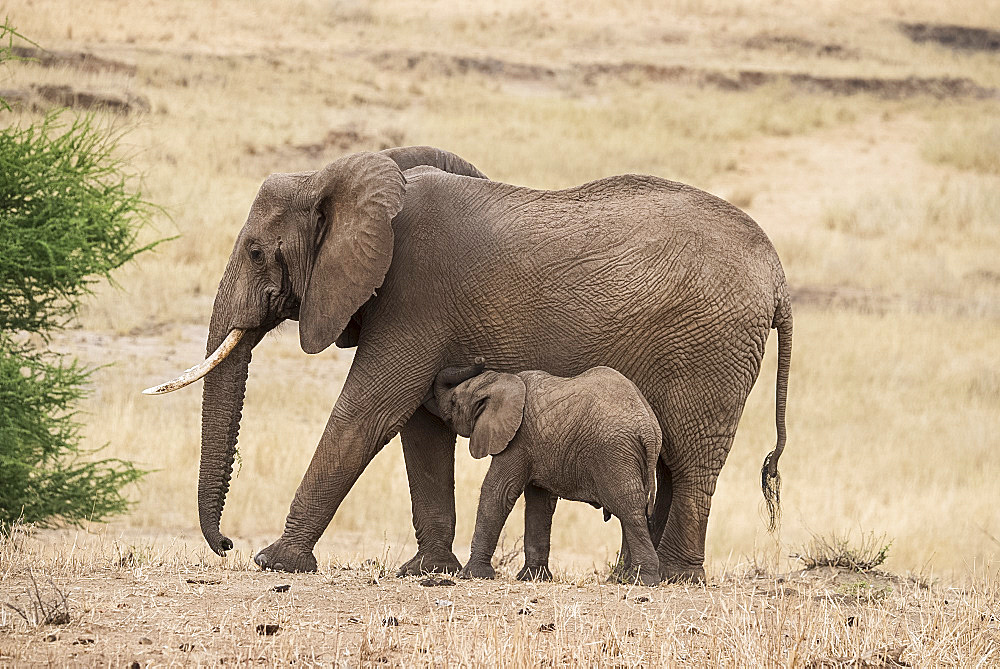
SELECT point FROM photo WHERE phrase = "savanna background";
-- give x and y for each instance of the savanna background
(864, 139)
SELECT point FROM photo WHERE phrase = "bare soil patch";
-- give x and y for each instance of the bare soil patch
(590, 74)
(866, 301)
(41, 97)
(952, 36)
(800, 46)
(334, 144)
(79, 60)
(130, 611)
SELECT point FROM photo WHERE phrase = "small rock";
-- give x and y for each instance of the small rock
(693, 630)
(145, 641)
(51, 637)
(442, 602)
(354, 619)
(391, 621)
(186, 647)
(285, 587)
(267, 629)
(83, 641)
(641, 600)
(524, 612)
(851, 621)
(135, 665)
(203, 581)
(435, 581)
(547, 627)
(630, 632)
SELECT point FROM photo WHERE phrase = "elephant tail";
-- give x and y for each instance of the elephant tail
(652, 441)
(770, 479)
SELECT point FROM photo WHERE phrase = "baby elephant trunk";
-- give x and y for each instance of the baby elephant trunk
(449, 377)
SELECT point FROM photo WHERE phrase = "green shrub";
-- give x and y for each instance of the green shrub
(68, 218)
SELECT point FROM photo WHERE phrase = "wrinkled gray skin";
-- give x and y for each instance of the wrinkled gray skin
(591, 438)
(427, 268)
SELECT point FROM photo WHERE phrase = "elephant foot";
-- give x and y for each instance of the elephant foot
(282, 557)
(682, 575)
(537, 572)
(427, 562)
(633, 575)
(478, 570)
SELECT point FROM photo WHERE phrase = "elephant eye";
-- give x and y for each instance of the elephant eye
(256, 255)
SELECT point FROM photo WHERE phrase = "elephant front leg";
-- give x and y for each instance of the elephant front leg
(429, 453)
(539, 505)
(344, 450)
(504, 483)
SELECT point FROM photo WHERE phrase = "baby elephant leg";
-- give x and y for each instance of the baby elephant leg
(643, 565)
(504, 483)
(629, 506)
(539, 505)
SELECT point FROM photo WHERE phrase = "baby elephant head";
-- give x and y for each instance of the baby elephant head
(485, 406)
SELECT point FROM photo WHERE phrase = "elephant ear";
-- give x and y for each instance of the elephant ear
(355, 199)
(500, 407)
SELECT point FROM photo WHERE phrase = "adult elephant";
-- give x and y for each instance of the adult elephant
(416, 259)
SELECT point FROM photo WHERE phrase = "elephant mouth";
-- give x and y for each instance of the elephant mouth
(288, 310)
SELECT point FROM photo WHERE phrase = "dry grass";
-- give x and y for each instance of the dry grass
(884, 212)
(157, 604)
(969, 143)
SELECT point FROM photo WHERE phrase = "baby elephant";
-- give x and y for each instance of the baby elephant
(591, 438)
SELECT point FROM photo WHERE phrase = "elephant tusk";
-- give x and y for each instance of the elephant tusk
(192, 374)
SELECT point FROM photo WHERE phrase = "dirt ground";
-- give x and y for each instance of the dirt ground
(132, 606)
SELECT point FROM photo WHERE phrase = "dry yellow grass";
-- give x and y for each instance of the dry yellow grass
(156, 604)
(884, 210)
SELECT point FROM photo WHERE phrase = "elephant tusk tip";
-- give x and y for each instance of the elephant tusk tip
(192, 374)
(162, 389)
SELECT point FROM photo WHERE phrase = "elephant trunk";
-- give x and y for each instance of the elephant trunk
(449, 377)
(221, 410)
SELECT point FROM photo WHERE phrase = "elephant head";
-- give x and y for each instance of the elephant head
(314, 248)
(487, 408)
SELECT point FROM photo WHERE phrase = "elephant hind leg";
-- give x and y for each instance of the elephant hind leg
(429, 453)
(681, 547)
(539, 505)
(638, 561)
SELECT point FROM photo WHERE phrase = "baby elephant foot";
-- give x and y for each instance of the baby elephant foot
(478, 570)
(538, 572)
(427, 562)
(282, 557)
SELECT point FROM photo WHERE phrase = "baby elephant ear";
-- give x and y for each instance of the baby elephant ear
(502, 396)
